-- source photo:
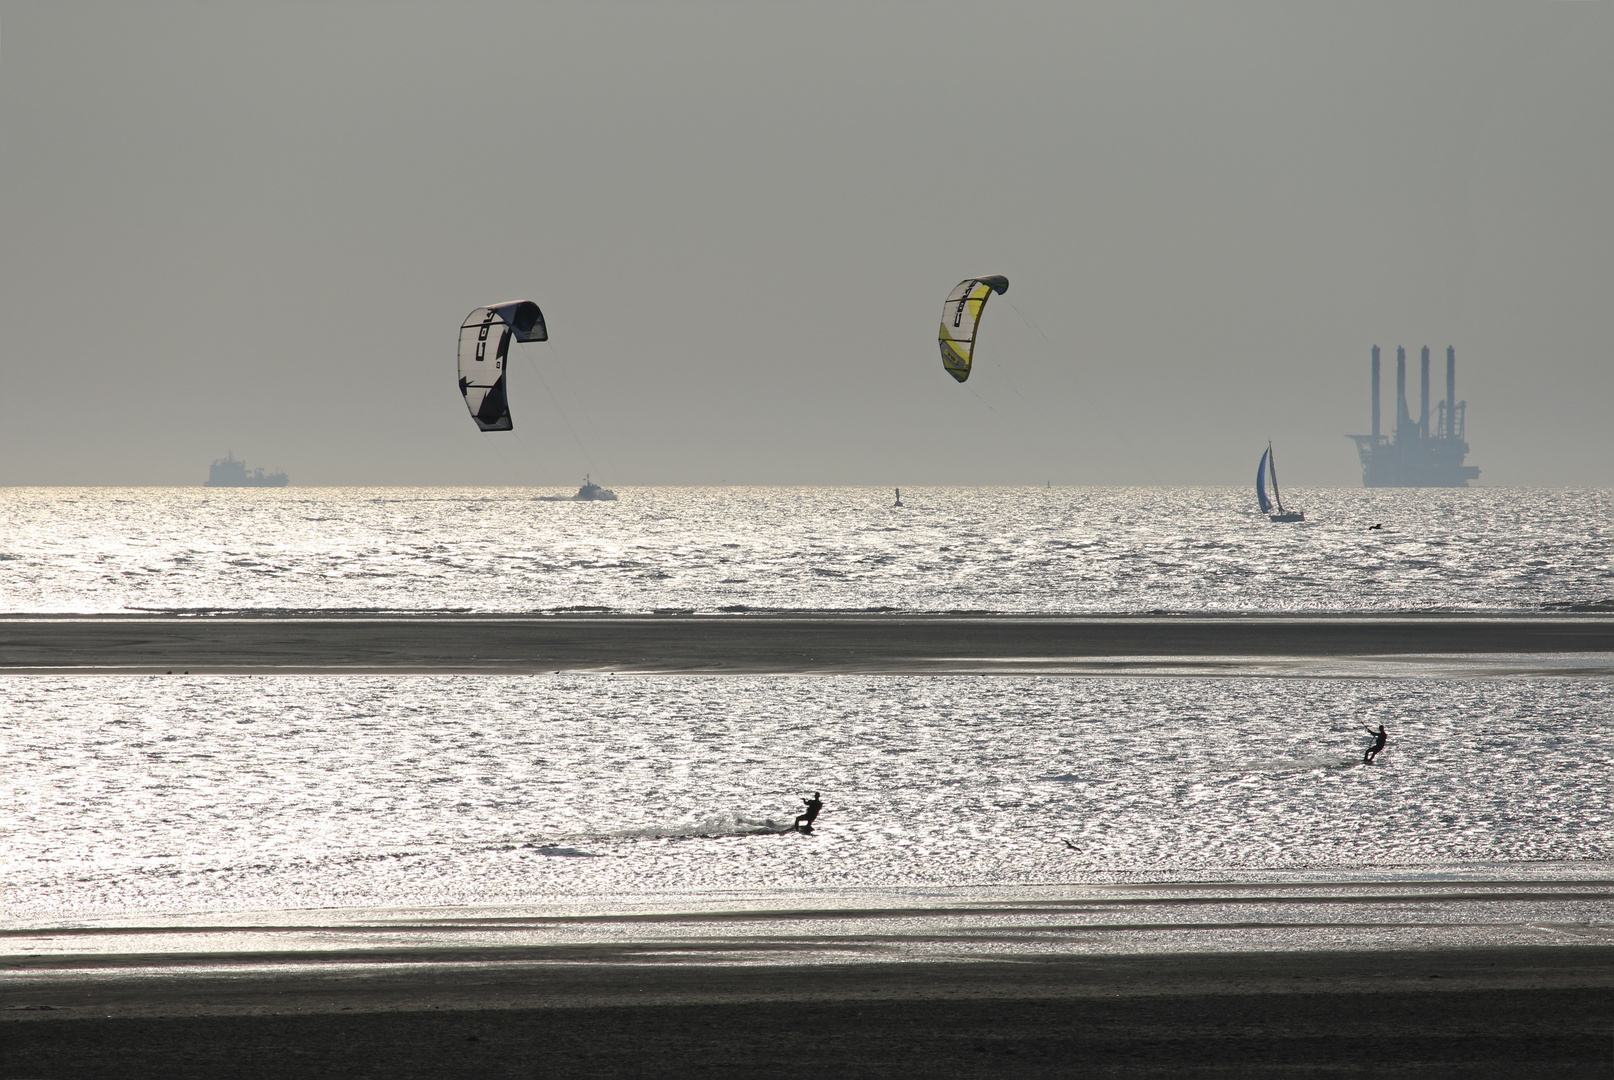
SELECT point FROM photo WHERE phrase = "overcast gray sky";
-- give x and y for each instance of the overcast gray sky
(258, 227)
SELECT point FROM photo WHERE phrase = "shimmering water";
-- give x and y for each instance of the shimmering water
(712, 549)
(234, 794)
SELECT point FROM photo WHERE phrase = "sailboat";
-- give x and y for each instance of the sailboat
(1269, 464)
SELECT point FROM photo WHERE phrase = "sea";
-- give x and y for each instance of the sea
(217, 797)
(1043, 550)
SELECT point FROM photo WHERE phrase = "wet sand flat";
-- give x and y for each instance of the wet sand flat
(762, 643)
(1473, 1013)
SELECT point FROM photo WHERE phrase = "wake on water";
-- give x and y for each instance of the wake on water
(716, 827)
(1309, 763)
(1306, 764)
(556, 851)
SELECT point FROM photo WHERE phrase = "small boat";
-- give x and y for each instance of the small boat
(1269, 464)
(589, 492)
(592, 492)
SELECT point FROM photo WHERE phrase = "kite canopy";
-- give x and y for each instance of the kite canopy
(961, 314)
(482, 369)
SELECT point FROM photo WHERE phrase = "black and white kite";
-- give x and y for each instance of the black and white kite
(485, 338)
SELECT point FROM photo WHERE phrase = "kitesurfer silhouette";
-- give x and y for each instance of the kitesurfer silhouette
(807, 819)
(1379, 739)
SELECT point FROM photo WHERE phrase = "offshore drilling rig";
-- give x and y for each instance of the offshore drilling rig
(1415, 456)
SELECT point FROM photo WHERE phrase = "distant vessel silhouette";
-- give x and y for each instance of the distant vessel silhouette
(1417, 456)
(589, 492)
(228, 472)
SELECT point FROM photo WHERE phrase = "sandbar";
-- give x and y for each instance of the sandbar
(788, 644)
(1472, 1013)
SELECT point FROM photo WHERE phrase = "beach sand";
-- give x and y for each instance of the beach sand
(1461, 1013)
(821, 644)
(1228, 979)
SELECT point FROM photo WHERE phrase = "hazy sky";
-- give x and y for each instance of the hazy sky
(258, 227)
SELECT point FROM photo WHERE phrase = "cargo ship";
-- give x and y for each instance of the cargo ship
(228, 472)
